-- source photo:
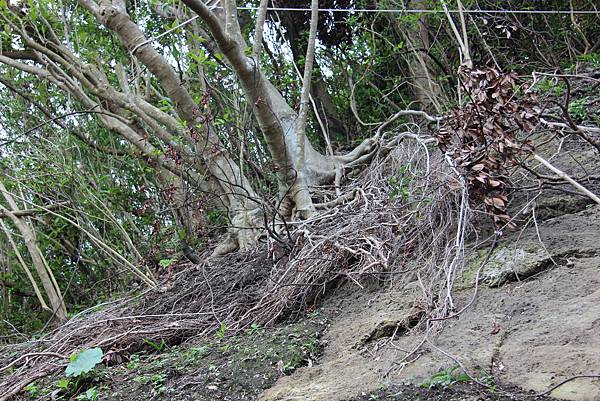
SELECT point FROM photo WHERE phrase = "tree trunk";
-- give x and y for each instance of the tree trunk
(277, 120)
(46, 277)
(241, 198)
(426, 90)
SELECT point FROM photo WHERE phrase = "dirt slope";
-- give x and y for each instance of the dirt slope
(534, 331)
(535, 322)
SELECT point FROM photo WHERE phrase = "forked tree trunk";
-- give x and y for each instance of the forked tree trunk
(297, 163)
(241, 199)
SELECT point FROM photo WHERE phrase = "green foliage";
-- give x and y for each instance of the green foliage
(196, 354)
(158, 347)
(90, 394)
(32, 389)
(156, 381)
(220, 334)
(166, 263)
(254, 328)
(83, 362)
(549, 86)
(217, 218)
(592, 58)
(400, 184)
(446, 378)
(488, 379)
(134, 362)
(298, 355)
(578, 109)
(109, 188)
(63, 383)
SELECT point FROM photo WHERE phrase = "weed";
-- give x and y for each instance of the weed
(78, 373)
(254, 328)
(134, 362)
(166, 263)
(63, 383)
(488, 379)
(301, 354)
(156, 381)
(446, 378)
(549, 86)
(33, 390)
(592, 58)
(217, 218)
(578, 109)
(159, 347)
(196, 354)
(399, 184)
(221, 332)
(83, 362)
(91, 395)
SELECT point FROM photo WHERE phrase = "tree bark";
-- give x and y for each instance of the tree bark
(277, 120)
(242, 201)
(46, 278)
(208, 146)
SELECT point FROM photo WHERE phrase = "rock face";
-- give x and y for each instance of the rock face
(537, 324)
(508, 264)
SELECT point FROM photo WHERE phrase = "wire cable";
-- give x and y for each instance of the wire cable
(424, 11)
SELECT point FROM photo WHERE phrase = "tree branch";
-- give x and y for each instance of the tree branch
(567, 178)
(258, 31)
(32, 212)
(306, 82)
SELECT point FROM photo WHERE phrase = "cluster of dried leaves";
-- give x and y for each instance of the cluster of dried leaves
(486, 136)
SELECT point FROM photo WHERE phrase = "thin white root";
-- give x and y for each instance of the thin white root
(340, 199)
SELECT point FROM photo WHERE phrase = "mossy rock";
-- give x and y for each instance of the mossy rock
(507, 263)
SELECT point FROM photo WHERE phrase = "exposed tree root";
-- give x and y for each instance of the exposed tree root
(403, 218)
(396, 217)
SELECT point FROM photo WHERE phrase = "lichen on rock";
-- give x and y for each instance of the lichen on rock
(505, 264)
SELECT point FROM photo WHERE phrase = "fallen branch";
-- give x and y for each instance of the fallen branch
(552, 124)
(567, 178)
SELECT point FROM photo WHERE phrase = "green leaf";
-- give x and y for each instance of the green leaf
(221, 331)
(63, 383)
(166, 262)
(84, 362)
(91, 395)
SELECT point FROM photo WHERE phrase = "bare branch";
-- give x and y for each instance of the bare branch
(258, 30)
(567, 178)
(306, 81)
(32, 212)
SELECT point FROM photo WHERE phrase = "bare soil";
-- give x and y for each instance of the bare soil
(455, 392)
(533, 332)
(538, 328)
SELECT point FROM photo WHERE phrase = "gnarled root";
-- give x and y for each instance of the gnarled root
(247, 226)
